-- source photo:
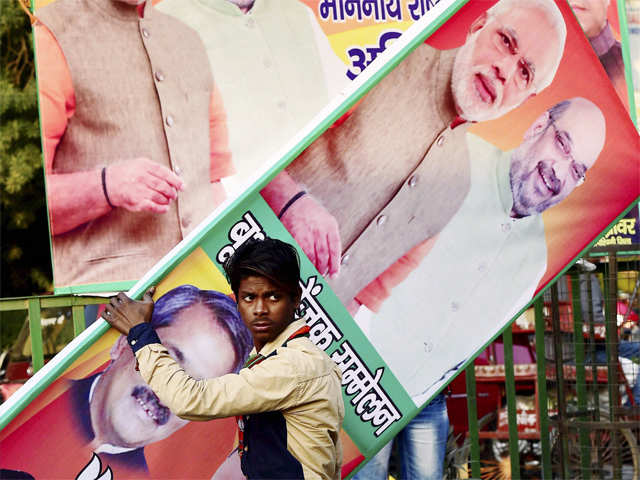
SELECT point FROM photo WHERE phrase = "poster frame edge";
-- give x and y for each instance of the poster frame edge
(626, 59)
(57, 366)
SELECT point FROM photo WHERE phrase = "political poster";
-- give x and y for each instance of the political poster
(177, 105)
(633, 22)
(604, 24)
(456, 187)
(477, 166)
(101, 404)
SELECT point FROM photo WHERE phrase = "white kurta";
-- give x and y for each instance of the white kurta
(274, 67)
(482, 270)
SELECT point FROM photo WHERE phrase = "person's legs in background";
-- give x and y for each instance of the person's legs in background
(629, 349)
(378, 467)
(423, 442)
(421, 448)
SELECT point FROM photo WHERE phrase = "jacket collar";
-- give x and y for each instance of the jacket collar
(268, 348)
(603, 42)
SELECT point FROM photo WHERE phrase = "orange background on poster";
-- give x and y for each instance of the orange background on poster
(576, 221)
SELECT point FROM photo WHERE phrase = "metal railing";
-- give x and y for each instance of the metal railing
(560, 435)
(34, 307)
(589, 436)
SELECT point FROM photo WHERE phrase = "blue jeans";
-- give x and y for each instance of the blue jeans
(421, 446)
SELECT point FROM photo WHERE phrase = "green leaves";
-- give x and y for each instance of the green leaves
(24, 240)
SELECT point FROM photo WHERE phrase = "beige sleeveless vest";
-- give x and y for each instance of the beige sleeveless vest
(394, 173)
(142, 88)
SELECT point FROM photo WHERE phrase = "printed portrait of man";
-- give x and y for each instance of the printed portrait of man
(592, 15)
(396, 171)
(134, 136)
(114, 414)
(487, 262)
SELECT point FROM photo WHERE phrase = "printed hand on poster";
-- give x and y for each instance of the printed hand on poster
(133, 159)
(313, 227)
(418, 220)
(275, 69)
(405, 140)
(109, 165)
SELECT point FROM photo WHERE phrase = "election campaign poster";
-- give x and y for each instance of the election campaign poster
(76, 380)
(134, 163)
(604, 24)
(633, 22)
(459, 195)
(625, 233)
(101, 406)
(474, 167)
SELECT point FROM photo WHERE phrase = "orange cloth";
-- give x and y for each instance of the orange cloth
(379, 289)
(57, 106)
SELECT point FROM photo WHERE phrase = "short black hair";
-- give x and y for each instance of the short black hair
(270, 258)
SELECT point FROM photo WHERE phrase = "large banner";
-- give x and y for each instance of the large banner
(463, 183)
(633, 21)
(101, 405)
(172, 108)
(429, 215)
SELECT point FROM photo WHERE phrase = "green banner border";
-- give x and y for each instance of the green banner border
(539, 294)
(291, 155)
(63, 360)
(626, 59)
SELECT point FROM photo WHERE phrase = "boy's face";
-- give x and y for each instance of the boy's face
(265, 308)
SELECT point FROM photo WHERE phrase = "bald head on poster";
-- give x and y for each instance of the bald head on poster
(488, 260)
(554, 156)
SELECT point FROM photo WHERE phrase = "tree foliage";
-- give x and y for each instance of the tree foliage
(24, 241)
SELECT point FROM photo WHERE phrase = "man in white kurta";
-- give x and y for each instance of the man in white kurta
(273, 65)
(487, 262)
